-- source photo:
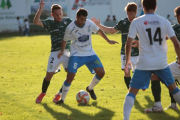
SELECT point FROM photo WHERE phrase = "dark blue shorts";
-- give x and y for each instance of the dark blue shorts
(91, 62)
(141, 78)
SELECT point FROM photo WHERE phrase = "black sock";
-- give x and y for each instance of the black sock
(45, 85)
(127, 81)
(61, 89)
(156, 90)
(172, 98)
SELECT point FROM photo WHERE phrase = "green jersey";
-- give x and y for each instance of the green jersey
(123, 26)
(57, 31)
(176, 28)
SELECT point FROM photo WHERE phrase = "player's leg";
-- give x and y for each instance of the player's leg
(129, 102)
(64, 61)
(156, 91)
(127, 77)
(174, 67)
(66, 87)
(140, 80)
(74, 63)
(53, 64)
(166, 77)
(95, 64)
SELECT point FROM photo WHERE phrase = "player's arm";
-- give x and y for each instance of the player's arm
(176, 47)
(101, 33)
(104, 28)
(63, 45)
(37, 20)
(128, 54)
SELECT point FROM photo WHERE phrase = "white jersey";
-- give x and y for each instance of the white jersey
(152, 30)
(81, 38)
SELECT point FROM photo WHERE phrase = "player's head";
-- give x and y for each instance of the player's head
(81, 16)
(17, 18)
(56, 12)
(131, 9)
(177, 13)
(149, 5)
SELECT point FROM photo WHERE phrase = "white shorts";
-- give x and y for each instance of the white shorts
(54, 63)
(133, 61)
(174, 67)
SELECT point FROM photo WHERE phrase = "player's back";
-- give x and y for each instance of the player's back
(152, 30)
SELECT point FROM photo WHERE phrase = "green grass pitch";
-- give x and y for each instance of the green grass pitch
(23, 62)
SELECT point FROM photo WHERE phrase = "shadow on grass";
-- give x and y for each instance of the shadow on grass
(155, 116)
(104, 114)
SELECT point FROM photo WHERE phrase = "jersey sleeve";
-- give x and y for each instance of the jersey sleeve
(67, 35)
(132, 30)
(95, 27)
(170, 31)
(118, 26)
(46, 23)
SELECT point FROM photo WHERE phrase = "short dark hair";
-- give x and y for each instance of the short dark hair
(82, 12)
(131, 7)
(177, 11)
(149, 4)
(55, 7)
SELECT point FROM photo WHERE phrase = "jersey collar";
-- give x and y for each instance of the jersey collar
(78, 26)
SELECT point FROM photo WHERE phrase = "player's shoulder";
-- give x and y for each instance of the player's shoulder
(67, 19)
(174, 26)
(123, 20)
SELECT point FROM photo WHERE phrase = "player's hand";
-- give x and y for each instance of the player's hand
(60, 54)
(97, 22)
(135, 43)
(126, 69)
(112, 42)
(41, 4)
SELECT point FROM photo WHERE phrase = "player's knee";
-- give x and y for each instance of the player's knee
(154, 77)
(126, 74)
(101, 73)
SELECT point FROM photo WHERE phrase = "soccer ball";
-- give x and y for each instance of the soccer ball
(82, 97)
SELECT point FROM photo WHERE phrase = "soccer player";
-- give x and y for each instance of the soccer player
(123, 26)
(152, 30)
(174, 67)
(82, 53)
(56, 28)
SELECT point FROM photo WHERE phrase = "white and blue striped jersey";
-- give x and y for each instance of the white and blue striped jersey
(81, 38)
(152, 30)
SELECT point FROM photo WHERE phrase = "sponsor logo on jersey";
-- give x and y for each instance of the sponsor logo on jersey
(151, 22)
(83, 38)
(5, 5)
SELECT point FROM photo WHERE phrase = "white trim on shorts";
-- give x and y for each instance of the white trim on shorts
(134, 60)
(174, 67)
(54, 63)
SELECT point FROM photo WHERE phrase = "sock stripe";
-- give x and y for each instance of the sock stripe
(98, 77)
(131, 95)
(175, 90)
(67, 84)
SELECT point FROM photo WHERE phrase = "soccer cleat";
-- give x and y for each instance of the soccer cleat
(56, 98)
(92, 94)
(40, 97)
(153, 109)
(172, 106)
(60, 102)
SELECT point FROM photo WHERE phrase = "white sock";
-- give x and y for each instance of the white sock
(128, 104)
(94, 81)
(158, 104)
(176, 95)
(65, 90)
